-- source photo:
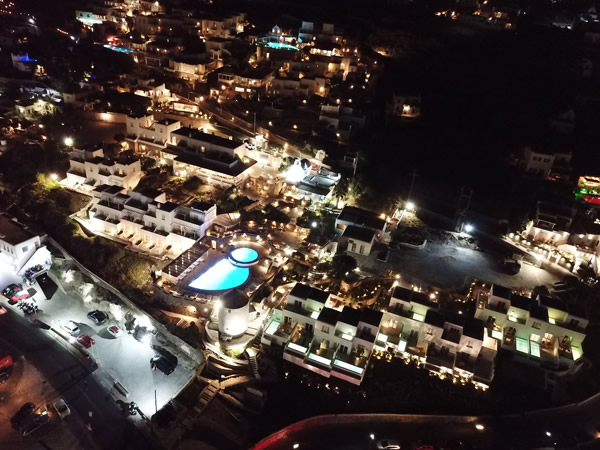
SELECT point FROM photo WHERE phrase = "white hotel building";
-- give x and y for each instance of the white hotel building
(321, 339)
(455, 346)
(17, 243)
(214, 159)
(543, 331)
(89, 168)
(148, 222)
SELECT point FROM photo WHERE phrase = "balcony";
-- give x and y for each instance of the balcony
(440, 356)
(185, 233)
(133, 219)
(366, 335)
(188, 219)
(111, 205)
(300, 341)
(346, 336)
(353, 364)
(321, 354)
(498, 307)
(77, 171)
(299, 309)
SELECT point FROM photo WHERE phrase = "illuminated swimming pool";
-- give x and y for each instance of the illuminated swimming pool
(117, 49)
(227, 273)
(280, 45)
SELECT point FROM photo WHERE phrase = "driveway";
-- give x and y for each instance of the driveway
(122, 358)
(448, 266)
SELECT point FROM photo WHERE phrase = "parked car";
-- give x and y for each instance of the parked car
(5, 374)
(11, 289)
(388, 444)
(70, 327)
(164, 364)
(510, 266)
(98, 317)
(18, 296)
(38, 421)
(85, 340)
(61, 408)
(383, 255)
(23, 413)
(115, 331)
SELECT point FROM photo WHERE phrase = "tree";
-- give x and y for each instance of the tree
(192, 184)
(148, 164)
(111, 151)
(342, 264)
(340, 191)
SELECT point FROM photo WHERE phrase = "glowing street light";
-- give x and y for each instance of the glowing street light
(314, 224)
(68, 141)
(479, 427)
(468, 228)
(409, 206)
(54, 177)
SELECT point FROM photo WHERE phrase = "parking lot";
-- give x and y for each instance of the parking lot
(448, 266)
(122, 358)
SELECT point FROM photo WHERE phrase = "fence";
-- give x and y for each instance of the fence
(192, 353)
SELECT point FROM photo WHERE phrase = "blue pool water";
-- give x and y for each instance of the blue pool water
(243, 255)
(221, 276)
(117, 49)
(281, 45)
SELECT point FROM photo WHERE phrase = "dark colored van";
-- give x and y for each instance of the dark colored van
(164, 364)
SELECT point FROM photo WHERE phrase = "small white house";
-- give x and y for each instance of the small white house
(17, 243)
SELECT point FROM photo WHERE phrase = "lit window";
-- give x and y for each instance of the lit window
(522, 345)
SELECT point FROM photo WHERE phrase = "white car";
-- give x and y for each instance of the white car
(61, 408)
(70, 327)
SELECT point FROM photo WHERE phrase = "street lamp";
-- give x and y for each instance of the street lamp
(68, 141)
(409, 206)
(468, 228)
(479, 427)
(54, 177)
(314, 224)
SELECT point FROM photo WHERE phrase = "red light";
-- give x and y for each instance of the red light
(110, 38)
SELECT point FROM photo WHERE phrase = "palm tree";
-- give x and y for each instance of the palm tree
(340, 191)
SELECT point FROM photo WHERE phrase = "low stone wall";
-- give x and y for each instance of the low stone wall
(407, 245)
(109, 117)
(184, 305)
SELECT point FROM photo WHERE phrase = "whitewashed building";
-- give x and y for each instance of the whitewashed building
(17, 243)
(321, 339)
(148, 222)
(88, 168)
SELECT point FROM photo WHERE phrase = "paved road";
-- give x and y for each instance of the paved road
(81, 389)
(448, 266)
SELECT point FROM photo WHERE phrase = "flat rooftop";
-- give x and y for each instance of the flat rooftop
(12, 232)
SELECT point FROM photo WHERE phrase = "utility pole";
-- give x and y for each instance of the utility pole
(254, 122)
(464, 202)
(412, 183)
(155, 402)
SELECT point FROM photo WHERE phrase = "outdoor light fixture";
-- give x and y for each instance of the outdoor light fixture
(295, 445)
(548, 434)
(314, 224)
(372, 436)
(468, 228)
(54, 176)
(409, 206)
(68, 141)
(480, 427)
